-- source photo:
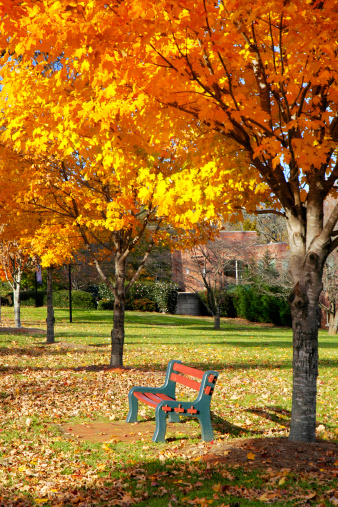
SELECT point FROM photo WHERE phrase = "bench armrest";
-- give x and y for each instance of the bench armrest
(167, 388)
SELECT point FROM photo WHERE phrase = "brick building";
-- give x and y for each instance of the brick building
(235, 248)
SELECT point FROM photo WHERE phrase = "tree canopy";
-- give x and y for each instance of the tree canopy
(237, 99)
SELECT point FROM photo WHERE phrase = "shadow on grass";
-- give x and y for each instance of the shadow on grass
(218, 423)
(279, 415)
(80, 350)
(224, 426)
(146, 483)
(273, 414)
(235, 342)
(146, 368)
(158, 482)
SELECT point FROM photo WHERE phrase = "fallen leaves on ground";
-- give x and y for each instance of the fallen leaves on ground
(45, 387)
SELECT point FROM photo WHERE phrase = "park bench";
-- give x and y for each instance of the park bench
(163, 399)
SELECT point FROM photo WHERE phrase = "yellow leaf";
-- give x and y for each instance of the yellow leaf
(41, 500)
(217, 488)
(250, 455)
(55, 6)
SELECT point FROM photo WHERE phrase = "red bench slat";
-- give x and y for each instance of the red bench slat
(145, 399)
(164, 396)
(158, 397)
(193, 384)
(188, 370)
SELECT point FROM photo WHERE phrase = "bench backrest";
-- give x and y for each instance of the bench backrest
(179, 371)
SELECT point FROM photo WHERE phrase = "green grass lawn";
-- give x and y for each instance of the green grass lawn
(43, 386)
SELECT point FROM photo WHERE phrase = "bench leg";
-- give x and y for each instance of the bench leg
(161, 426)
(206, 427)
(174, 417)
(133, 409)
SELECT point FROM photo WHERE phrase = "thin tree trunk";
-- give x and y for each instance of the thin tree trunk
(117, 334)
(333, 322)
(16, 300)
(50, 309)
(217, 321)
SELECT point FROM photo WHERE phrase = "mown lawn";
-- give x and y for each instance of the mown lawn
(44, 386)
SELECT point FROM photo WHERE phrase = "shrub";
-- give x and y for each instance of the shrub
(144, 305)
(248, 304)
(226, 303)
(139, 290)
(7, 299)
(105, 293)
(165, 295)
(145, 296)
(80, 299)
(94, 290)
(30, 297)
(105, 304)
(256, 306)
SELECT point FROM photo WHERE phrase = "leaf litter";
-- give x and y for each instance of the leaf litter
(50, 394)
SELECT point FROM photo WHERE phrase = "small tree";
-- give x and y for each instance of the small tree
(214, 267)
(14, 261)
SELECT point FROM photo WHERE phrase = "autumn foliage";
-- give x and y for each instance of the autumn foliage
(192, 110)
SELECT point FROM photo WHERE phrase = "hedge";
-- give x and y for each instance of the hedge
(255, 306)
(7, 299)
(80, 299)
(105, 304)
(29, 297)
(226, 303)
(144, 305)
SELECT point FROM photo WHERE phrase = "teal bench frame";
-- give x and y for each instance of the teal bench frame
(163, 399)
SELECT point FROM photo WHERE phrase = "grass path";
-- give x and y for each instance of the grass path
(43, 386)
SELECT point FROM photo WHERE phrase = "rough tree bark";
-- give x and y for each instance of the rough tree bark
(309, 249)
(50, 309)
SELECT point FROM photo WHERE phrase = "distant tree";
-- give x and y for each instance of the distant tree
(214, 267)
(267, 279)
(13, 262)
(330, 282)
(271, 228)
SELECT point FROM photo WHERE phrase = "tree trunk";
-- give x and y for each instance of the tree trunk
(50, 309)
(16, 300)
(217, 321)
(333, 322)
(306, 268)
(305, 367)
(117, 334)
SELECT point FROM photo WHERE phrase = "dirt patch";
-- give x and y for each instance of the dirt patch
(21, 330)
(120, 431)
(274, 453)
